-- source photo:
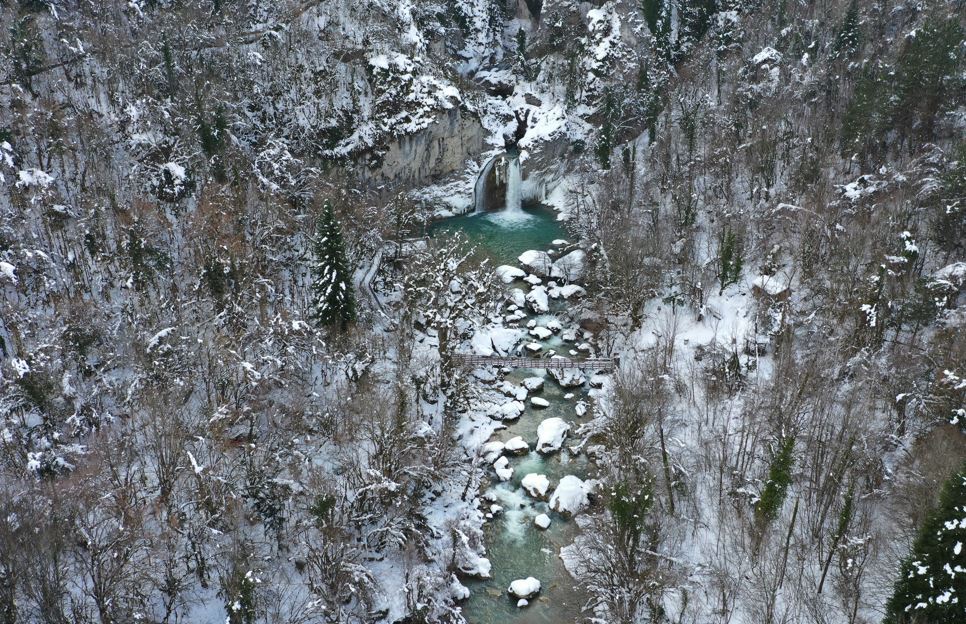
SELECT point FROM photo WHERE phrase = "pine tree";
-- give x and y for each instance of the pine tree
(730, 259)
(932, 584)
(333, 297)
(779, 478)
(847, 38)
(926, 76)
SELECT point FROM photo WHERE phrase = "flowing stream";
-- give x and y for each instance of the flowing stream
(515, 547)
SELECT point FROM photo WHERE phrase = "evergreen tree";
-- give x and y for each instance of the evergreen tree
(779, 478)
(629, 506)
(847, 38)
(333, 298)
(932, 581)
(926, 76)
(730, 259)
(695, 19)
(865, 117)
(605, 140)
(949, 206)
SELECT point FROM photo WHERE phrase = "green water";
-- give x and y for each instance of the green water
(503, 239)
(515, 547)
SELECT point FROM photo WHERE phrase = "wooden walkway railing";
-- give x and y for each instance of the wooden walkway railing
(476, 361)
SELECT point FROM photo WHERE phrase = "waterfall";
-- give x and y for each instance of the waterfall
(479, 190)
(513, 184)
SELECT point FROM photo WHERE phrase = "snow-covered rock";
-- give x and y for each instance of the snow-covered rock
(538, 300)
(509, 411)
(512, 390)
(7, 270)
(550, 434)
(539, 402)
(775, 286)
(508, 274)
(468, 561)
(542, 521)
(503, 469)
(570, 267)
(517, 446)
(518, 297)
(522, 603)
(533, 384)
(568, 377)
(954, 274)
(536, 485)
(554, 326)
(495, 340)
(541, 333)
(537, 262)
(518, 315)
(491, 451)
(580, 408)
(533, 347)
(570, 497)
(572, 291)
(533, 280)
(559, 242)
(457, 590)
(767, 55)
(524, 588)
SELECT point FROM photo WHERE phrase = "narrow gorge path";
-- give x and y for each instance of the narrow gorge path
(516, 547)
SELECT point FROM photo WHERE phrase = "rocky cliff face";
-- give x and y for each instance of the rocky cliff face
(425, 157)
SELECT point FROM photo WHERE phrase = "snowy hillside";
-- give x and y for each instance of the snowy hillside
(274, 277)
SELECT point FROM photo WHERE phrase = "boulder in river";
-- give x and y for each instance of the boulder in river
(537, 300)
(537, 262)
(524, 588)
(503, 469)
(517, 446)
(550, 434)
(542, 521)
(570, 267)
(541, 333)
(568, 377)
(536, 485)
(533, 384)
(570, 497)
(508, 274)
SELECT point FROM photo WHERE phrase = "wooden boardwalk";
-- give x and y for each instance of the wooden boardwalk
(479, 361)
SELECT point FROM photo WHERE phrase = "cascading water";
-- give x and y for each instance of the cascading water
(514, 181)
(507, 171)
(479, 190)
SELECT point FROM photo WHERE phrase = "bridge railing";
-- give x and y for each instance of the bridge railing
(529, 362)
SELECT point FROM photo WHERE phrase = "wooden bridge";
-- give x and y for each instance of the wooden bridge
(558, 363)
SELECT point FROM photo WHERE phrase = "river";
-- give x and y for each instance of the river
(515, 547)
